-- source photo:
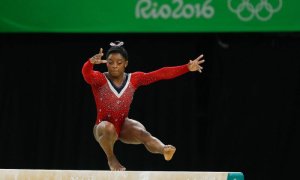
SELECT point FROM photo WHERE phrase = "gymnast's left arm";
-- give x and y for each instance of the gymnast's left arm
(142, 78)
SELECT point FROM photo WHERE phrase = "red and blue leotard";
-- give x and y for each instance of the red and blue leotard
(113, 105)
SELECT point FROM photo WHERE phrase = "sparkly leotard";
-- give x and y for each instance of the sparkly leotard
(113, 104)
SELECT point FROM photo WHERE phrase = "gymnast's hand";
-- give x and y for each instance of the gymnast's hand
(97, 59)
(195, 65)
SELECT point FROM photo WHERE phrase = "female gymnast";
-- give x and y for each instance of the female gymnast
(113, 92)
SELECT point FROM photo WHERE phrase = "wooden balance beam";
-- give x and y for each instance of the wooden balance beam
(40, 174)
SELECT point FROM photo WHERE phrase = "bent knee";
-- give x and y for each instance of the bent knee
(106, 129)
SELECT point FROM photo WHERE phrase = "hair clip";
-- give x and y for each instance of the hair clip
(120, 43)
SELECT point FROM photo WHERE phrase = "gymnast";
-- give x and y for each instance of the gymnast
(113, 93)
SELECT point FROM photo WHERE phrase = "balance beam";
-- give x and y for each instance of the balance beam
(41, 174)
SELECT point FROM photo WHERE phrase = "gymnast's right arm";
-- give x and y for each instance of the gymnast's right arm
(91, 76)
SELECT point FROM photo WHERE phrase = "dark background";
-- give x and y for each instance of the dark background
(241, 114)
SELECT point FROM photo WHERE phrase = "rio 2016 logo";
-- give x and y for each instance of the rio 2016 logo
(246, 11)
(148, 9)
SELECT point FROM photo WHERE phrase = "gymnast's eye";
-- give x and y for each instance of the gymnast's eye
(110, 62)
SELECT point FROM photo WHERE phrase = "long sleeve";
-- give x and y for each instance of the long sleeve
(91, 76)
(141, 78)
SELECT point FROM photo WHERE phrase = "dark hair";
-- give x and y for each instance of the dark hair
(117, 47)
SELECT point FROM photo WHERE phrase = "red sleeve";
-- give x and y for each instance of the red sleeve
(91, 76)
(142, 79)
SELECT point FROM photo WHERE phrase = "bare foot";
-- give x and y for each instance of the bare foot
(169, 151)
(114, 165)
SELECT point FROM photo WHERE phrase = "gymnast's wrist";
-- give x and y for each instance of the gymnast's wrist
(92, 60)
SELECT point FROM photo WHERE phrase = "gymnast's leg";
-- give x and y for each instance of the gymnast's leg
(133, 132)
(106, 135)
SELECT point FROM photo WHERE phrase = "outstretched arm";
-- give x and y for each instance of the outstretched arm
(167, 72)
(89, 75)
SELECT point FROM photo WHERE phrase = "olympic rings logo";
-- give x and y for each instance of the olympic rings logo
(263, 10)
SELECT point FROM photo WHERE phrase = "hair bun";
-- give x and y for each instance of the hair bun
(117, 43)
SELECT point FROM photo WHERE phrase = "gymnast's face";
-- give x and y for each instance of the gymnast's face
(116, 65)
